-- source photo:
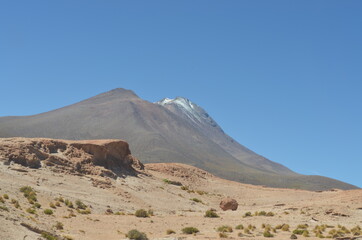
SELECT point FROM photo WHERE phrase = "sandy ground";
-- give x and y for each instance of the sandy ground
(172, 206)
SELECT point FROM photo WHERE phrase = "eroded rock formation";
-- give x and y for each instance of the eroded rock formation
(95, 157)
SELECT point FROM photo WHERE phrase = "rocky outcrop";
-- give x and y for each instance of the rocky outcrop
(229, 204)
(95, 157)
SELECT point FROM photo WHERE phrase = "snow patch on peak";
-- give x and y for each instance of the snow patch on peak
(189, 110)
(183, 104)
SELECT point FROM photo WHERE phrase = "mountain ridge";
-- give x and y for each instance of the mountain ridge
(161, 133)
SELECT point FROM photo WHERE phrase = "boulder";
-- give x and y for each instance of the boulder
(229, 204)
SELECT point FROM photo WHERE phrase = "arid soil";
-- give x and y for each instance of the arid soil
(178, 194)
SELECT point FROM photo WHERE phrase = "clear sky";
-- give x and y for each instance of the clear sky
(283, 78)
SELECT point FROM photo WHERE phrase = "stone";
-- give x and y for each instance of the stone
(229, 204)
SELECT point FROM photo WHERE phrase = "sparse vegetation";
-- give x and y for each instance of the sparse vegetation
(247, 231)
(4, 208)
(223, 235)
(239, 227)
(190, 230)
(201, 192)
(6, 196)
(60, 199)
(37, 205)
(31, 210)
(170, 231)
(141, 213)
(305, 233)
(59, 226)
(211, 214)
(52, 205)
(247, 214)
(261, 213)
(80, 204)
(264, 213)
(119, 213)
(267, 234)
(68, 203)
(225, 228)
(15, 203)
(176, 183)
(299, 231)
(270, 214)
(136, 235)
(150, 212)
(29, 193)
(285, 227)
(48, 236)
(196, 200)
(86, 211)
(302, 226)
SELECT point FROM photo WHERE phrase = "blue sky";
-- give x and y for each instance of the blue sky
(284, 78)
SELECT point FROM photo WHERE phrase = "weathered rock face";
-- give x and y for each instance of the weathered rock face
(96, 157)
(229, 204)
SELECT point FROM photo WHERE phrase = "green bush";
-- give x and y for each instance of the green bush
(190, 230)
(136, 235)
(211, 214)
(141, 213)
(6, 196)
(48, 211)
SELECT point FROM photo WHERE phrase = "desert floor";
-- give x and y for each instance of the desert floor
(173, 207)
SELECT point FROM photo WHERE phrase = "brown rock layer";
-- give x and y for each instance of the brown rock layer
(96, 157)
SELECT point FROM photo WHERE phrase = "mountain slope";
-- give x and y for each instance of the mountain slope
(199, 118)
(161, 133)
